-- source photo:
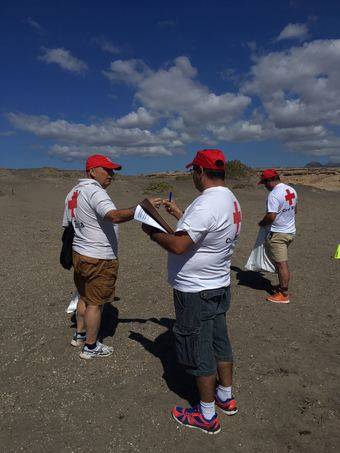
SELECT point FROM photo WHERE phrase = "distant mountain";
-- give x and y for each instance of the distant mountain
(314, 164)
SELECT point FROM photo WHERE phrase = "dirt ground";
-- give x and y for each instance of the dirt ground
(287, 357)
(325, 182)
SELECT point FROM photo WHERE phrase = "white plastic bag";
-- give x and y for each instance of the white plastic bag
(72, 306)
(258, 259)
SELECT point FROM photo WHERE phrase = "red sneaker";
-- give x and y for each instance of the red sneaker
(193, 418)
(228, 407)
(278, 298)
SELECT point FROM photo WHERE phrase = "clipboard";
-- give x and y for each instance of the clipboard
(152, 211)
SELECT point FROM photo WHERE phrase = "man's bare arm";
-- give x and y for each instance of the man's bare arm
(124, 215)
(177, 243)
(268, 219)
(120, 215)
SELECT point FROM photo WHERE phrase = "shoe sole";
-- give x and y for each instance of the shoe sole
(227, 412)
(278, 301)
(94, 356)
(77, 343)
(195, 427)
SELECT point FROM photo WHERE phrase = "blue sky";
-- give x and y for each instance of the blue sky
(148, 83)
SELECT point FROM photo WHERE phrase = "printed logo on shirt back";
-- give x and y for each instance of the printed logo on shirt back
(237, 217)
(72, 203)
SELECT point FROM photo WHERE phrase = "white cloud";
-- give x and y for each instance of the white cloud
(297, 104)
(240, 131)
(106, 45)
(293, 31)
(104, 133)
(300, 93)
(300, 86)
(33, 24)
(141, 119)
(64, 59)
(175, 91)
(76, 152)
(127, 71)
(78, 140)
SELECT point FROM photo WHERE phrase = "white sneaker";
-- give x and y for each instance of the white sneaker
(78, 340)
(101, 350)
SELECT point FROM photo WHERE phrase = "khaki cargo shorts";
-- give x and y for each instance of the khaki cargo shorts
(95, 279)
(277, 246)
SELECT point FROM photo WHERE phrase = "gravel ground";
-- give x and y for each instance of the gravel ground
(287, 357)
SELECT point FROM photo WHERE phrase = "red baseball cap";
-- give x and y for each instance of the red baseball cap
(269, 173)
(212, 159)
(98, 160)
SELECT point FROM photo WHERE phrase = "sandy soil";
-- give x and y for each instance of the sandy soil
(321, 178)
(287, 357)
(325, 182)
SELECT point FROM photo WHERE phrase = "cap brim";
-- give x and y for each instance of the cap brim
(189, 165)
(114, 166)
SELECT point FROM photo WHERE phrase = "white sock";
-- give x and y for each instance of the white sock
(223, 393)
(208, 410)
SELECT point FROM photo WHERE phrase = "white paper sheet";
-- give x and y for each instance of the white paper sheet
(143, 217)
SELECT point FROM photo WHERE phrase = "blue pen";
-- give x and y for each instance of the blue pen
(170, 196)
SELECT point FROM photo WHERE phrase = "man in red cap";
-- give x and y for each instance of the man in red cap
(199, 272)
(280, 219)
(95, 221)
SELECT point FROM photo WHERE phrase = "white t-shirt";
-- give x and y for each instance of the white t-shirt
(282, 200)
(86, 206)
(213, 222)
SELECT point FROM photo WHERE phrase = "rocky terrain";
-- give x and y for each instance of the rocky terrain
(287, 357)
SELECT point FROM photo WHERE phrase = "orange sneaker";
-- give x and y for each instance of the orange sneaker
(275, 288)
(278, 298)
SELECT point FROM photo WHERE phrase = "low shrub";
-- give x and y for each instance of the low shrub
(236, 170)
(184, 177)
(157, 187)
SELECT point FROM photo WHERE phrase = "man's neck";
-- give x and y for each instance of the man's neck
(213, 183)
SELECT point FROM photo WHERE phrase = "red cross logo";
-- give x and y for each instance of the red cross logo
(72, 204)
(290, 197)
(237, 217)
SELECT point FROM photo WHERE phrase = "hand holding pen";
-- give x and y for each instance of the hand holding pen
(172, 207)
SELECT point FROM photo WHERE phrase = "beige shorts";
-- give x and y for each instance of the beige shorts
(277, 246)
(95, 279)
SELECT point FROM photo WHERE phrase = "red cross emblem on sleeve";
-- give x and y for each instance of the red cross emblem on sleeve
(72, 204)
(290, 197)
(237, 217)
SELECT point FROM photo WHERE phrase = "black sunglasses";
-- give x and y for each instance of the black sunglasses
(108, 170)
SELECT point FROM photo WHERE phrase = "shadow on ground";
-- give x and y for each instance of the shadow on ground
(163, 347)
(109, 321)
(253, 280)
